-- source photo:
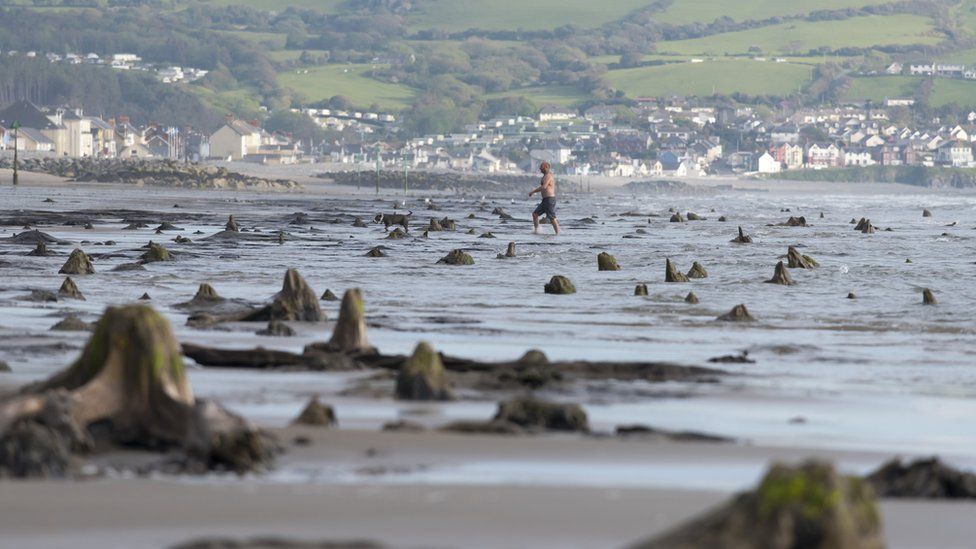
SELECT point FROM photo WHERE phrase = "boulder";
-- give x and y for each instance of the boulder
(781, 276)
(559, 285)
(456, 257)
(697, 271)
(422, 376)
(70, 290)
(156, 252)
(640, 289)
(606, 262)
(541, 415)
(739, 313)
(796, 260)
(232, 225)
(743, 238)
(349, 334)
(928, 298)
(691, 298)
(806, 506)
(923, 479)
(128, 388)
(671, 273)
(375, 252)
(329, 296)
(316, 414)
(78, 263)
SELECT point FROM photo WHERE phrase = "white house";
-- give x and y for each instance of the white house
(552, 112)
(765, 163)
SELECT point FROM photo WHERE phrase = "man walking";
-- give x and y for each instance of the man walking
(548, 205)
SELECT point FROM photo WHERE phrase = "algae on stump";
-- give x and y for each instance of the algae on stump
(78, 263)
(606, 262)
(155, 253)
(131, 381)
(697, 271)
(797, 260)
(559, 285)
(808, 506)
(456, 257)
(349, 334)
(422, 376)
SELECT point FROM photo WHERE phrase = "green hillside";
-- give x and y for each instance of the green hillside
(724, 76)
(321, 83)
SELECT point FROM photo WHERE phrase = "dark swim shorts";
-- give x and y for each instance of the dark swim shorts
(547, 206)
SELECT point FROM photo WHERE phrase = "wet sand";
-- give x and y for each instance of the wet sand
(140, 513)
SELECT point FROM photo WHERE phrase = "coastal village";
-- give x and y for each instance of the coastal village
(651, 137)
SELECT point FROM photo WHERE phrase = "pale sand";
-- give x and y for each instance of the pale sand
(156, 513)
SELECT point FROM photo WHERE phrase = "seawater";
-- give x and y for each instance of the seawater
(880, 372)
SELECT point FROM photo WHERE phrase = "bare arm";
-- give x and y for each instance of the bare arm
(537, 190)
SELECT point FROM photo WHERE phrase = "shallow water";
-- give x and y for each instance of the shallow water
(882, 372)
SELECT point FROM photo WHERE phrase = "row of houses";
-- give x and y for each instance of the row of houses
(62, 131)
(168, 74)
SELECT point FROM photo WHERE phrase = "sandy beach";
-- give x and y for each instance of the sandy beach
(856, 382)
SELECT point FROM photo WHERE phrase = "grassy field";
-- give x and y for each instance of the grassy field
(706, 11)
(801, 36)
(703, 79)
(461, 15)
(946, 91)
(325, 6)
(877, 88)
(318, 83)
(292, 55)
(563, 96)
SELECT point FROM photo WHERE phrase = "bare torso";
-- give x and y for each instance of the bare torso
(548, 186)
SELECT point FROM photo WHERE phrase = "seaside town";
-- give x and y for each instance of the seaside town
(652, 137)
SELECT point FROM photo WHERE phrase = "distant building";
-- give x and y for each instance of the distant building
(765, 163)
(552, 112)
(234, 140)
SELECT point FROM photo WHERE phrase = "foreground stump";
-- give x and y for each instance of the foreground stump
(809, 506)
(127, 388)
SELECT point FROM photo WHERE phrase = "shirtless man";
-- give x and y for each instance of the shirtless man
(548, 205)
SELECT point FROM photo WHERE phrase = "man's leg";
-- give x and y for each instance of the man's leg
(555, 224)
(535, 222)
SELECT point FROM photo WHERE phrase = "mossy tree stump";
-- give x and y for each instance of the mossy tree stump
(422, 376)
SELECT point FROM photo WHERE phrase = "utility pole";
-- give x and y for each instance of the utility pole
(15, 126)
(377, 169)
